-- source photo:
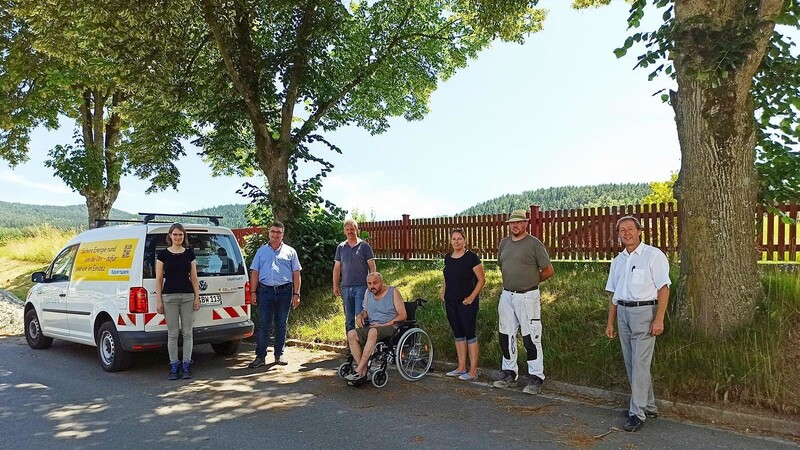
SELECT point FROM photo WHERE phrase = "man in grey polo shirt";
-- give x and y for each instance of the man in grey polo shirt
(638, 284)
(524, 264)
(353, 261)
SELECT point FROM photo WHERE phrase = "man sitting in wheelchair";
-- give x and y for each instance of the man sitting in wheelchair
(383, 306)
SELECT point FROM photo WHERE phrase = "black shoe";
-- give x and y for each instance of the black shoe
(633, 424)
(258, 362)
(648, 414)
(281, 360)
(173, 370)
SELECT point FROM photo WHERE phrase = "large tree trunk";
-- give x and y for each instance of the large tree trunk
(100, 138)
(717, 185)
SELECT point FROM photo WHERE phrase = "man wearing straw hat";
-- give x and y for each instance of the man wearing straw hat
(524, 264)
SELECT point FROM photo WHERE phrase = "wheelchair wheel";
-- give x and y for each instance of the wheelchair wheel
(345, 369)
(380, 378)
(414, 354)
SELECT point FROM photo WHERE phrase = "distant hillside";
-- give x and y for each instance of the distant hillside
(19, 215)
(564, 197)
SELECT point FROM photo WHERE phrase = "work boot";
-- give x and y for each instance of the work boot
(509, 380)
(173, 370)
(187, 373)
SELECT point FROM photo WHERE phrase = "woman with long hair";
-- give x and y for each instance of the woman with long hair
(463, 280)
(178, 297)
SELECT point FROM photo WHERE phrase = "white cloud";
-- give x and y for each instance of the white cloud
(8, 176)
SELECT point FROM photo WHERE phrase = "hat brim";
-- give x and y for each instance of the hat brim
(517, 220)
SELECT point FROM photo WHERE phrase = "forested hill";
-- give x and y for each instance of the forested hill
(19, 215)
(564, 197)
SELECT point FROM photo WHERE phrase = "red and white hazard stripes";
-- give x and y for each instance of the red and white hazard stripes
(230, 312)
(127, 320)
(154, 319)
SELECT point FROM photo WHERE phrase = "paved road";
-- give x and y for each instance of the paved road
(61, 398)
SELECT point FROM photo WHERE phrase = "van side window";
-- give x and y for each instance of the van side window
(61, 268)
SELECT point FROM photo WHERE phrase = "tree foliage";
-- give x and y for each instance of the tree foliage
(564, 197)
(293, 69)
(95, 63)
(776, 85)
(662, 191)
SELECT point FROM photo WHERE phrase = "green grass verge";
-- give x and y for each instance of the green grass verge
(757, 366)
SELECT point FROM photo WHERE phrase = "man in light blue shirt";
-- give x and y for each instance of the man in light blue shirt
(275, 288)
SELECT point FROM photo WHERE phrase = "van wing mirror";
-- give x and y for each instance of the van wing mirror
(38, 277)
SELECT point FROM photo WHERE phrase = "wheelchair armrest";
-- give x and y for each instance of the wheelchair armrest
(403, 323)
(420, 301)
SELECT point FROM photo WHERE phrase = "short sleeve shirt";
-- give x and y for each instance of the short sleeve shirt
(177, 271)
(276, 267)
(637, 276)
(459, 276)
(354, 262)
(521, 261)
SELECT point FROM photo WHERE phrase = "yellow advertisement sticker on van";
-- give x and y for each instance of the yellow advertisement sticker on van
(105, 260)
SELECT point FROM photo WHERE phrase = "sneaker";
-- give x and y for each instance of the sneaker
(258, 362)
(534, 385)
(456, 373)
(467, 377)
(187, 373)
(633, 424)
(509, 380)
(281, 360)
(173, 370)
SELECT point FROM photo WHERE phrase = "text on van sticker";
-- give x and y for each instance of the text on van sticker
(105, 260)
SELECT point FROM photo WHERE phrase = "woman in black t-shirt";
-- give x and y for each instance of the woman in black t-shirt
(463, 281)
(178, 297)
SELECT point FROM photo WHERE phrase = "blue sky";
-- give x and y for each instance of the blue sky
(559, 110)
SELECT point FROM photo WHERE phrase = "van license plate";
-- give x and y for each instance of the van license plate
(210, 299)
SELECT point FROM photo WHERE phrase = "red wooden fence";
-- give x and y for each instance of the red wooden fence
(585, 234)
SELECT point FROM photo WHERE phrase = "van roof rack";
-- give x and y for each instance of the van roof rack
(103, 222)
(150, 217)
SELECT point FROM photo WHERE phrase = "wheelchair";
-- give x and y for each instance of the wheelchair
(409, 348)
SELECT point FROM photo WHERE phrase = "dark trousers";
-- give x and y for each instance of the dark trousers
(273, 305)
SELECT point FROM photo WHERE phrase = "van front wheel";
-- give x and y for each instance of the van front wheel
(226, 348)
(33, 332)
(112, 357)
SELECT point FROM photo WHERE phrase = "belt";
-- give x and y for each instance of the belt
(645, 303)
(522, 292)
(280, 286)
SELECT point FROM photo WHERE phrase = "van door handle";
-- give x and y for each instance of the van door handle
(62, 295)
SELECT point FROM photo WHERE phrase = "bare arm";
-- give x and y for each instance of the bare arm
(479, 273)
(159, 285)
(657, 327)
(612, 316)
(195, 285)
(371, 264)
(337, 273)
(253, 286)
(296, 293)
(546, 273)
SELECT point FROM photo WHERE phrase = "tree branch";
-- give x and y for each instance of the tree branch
(293, 73)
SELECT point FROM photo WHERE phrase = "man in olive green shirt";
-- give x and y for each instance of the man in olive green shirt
(524, 264)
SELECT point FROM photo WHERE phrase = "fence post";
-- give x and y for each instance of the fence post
(405, 237)
(536, 222)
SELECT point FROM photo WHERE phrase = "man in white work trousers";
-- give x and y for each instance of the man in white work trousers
(524, 264)
(638, 283)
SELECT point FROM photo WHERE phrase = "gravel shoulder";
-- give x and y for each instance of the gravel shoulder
(11, 320)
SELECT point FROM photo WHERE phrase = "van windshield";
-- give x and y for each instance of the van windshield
(217, 254)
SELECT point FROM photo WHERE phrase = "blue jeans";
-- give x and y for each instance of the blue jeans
(353, 300)
(273, 304)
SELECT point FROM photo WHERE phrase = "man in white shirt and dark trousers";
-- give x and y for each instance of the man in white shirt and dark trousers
(638, 282)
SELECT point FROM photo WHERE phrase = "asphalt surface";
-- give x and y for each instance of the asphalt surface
(61, 398)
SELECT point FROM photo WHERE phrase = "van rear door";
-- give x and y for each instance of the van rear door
(221, 275)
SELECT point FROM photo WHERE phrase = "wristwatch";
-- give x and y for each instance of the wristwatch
(297, 294)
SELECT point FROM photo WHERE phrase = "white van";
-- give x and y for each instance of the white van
(100, 291)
